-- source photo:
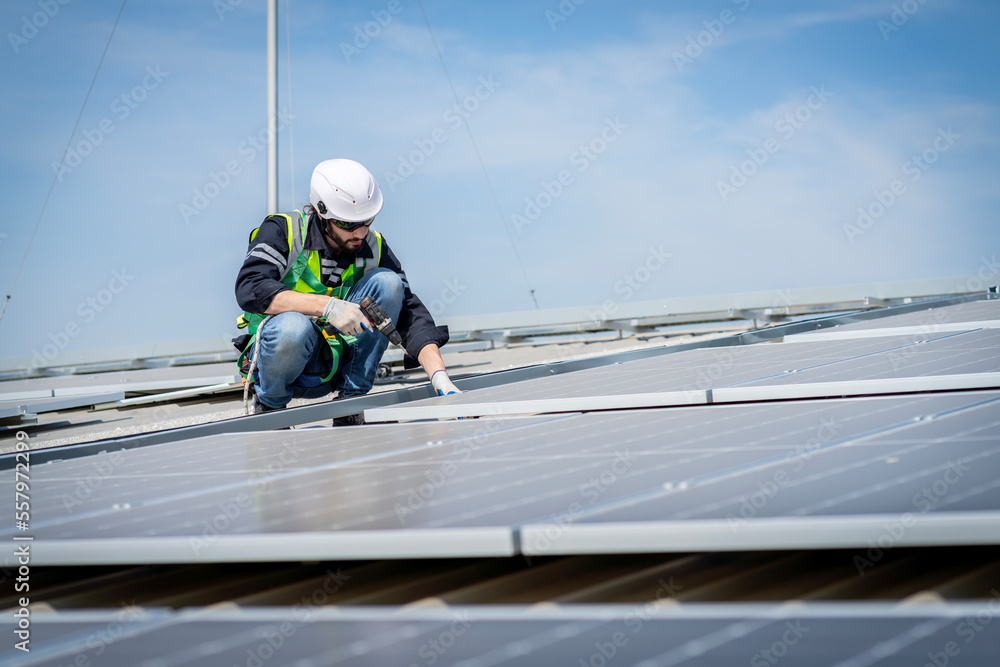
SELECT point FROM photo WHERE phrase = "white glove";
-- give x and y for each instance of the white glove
(442, 383)
(346, 317)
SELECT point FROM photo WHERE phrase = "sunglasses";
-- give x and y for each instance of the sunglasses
(350, 226)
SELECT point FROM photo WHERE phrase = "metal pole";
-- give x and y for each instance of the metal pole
(272, 107)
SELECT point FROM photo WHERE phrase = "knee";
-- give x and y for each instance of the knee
(288, 332)
(388, 284)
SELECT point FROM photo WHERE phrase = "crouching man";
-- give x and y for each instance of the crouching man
(300, 284)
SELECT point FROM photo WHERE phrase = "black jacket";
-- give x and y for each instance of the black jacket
(259, 280)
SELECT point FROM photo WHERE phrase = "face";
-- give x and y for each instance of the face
(344, 241)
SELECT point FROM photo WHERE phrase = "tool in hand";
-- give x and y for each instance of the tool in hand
(380, 320)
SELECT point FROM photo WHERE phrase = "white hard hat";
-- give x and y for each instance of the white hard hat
(344, 190)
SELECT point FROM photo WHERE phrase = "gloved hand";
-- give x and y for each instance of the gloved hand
(346, 317)
(442, 383)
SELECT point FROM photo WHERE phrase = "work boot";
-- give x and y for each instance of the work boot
(350, 420)
(258, 408)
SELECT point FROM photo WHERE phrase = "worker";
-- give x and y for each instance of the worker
(306, 272)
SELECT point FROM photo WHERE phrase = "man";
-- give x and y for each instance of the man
(309, 269)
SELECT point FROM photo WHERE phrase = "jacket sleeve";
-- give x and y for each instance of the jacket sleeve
(259, 278)
(415, 325)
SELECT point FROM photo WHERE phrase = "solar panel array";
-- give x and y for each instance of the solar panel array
(799, 474)
(482, 487)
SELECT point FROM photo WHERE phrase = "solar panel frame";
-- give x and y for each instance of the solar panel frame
(764, 534)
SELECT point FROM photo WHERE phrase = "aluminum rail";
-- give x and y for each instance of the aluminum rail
(746, 305)
(339, 408)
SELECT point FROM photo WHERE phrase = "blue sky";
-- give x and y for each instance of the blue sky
(733, 142)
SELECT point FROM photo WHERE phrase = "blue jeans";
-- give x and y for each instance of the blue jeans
(292, 345)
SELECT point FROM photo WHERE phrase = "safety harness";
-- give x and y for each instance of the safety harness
(304, 275)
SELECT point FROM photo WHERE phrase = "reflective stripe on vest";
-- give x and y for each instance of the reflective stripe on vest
(304, 275)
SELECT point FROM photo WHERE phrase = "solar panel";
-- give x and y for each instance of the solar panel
(39, 405)
(650, 634)
(972, 312)
(126, 479)
(151, 379)
(470, 489)
(836, 334)
(691, 370)
(951, 354)
(929, 479)
(691, 374)
(962, 317)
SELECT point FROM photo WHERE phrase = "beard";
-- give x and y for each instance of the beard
(349, 247)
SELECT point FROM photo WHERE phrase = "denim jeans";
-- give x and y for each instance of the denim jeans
(292, 345)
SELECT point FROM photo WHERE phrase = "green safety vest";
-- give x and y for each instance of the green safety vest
(303, 275)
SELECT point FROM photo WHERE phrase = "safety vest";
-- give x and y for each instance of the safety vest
(303, 275)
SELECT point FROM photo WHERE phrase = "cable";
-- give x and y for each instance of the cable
(253, 366)
(45, 204)
(288, 59)
(475, 147)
